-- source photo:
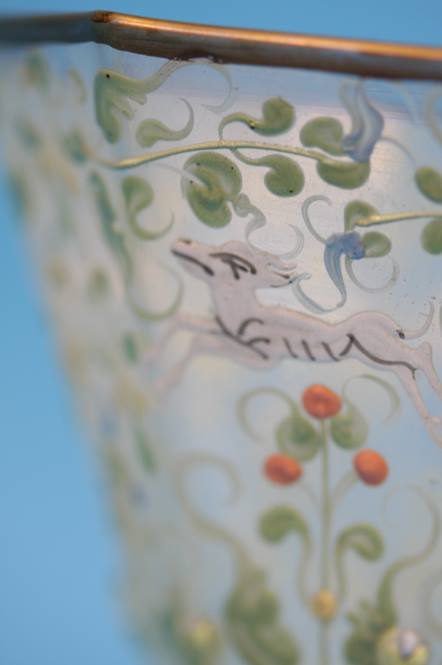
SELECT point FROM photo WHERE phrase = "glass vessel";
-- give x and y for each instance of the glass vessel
(239, 238)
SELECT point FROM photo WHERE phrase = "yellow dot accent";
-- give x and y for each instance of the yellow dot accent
(324, 605)
(202, 634)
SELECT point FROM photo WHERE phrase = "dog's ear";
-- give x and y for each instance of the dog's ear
(239, 248)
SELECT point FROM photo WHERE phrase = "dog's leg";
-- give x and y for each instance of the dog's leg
(164, 383)
(180, 321)
(424, 362)
(201, 345)
(420, 358)
(432, 423)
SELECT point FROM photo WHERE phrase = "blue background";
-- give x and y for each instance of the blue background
(59, 555)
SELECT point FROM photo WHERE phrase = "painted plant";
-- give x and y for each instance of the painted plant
(323, 421)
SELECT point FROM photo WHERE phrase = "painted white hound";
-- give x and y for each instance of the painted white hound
(261, 336)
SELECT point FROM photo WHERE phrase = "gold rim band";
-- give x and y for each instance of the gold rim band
(184, 41)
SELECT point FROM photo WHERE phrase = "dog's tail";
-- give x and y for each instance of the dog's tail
(414, 334)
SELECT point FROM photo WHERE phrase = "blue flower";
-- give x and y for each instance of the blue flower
(339, 244)
(348, 244)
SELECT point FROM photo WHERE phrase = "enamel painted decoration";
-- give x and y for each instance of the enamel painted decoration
(243, 266)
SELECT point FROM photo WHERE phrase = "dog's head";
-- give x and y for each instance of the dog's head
(234, 263)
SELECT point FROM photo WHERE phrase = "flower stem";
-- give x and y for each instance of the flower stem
(347, 481)
(326, 514)
(132, 162)
(325, 510)
(324, 646)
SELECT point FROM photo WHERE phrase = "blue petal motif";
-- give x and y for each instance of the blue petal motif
(367, 122)
(348, 244)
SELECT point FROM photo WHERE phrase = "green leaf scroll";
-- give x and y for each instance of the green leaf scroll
(113, 93)
(376, 244)
(28, 134)
(284, 178)
(254, 626)
(362, 539)
(212, 182)
(151, 130)
(431, 237)
(144, 450)
(369, 622)
(37, 71)
(75, 146)
(429, 182)
(107, 216)
(280, 521)
(297, 437)
(349, 429)
(325, 133)
(357, 211)
(277, 116)
(98, 285)
(115, 241)
(346, 175)
(130, 348)
(138, 195)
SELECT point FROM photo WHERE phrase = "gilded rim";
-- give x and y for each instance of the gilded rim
(185, 41)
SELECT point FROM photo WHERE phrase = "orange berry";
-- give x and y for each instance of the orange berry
(282, 469)
(370, 466)
(321, 402)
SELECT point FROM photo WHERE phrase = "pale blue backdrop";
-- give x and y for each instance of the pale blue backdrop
(58, 552)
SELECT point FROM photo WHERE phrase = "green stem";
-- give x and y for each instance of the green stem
(325, 510)
(324, 647)
(326, 515)
(132, 162)
(397, 217)
(347, 481)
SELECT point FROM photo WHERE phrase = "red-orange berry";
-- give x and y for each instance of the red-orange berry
(282, 469)
(321, 402)
(370, 466)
